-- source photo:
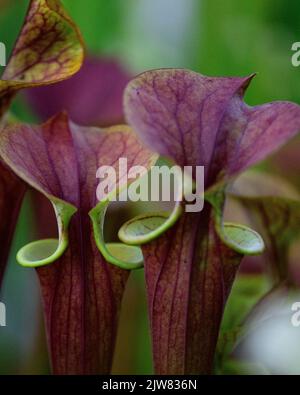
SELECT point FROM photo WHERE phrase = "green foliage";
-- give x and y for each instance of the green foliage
(100, 22)
(241, 37)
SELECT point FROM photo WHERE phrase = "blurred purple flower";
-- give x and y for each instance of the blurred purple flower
(92, 97)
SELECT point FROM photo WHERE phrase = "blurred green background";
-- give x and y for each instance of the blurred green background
(214, 37)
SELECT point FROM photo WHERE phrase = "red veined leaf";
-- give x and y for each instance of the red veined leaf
(49, 49)
(81, 291)
(197, 120)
